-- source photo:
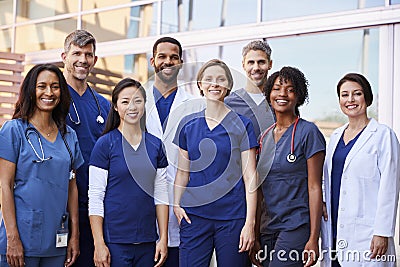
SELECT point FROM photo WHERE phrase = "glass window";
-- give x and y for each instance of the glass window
(325, 59)
(36, 9)
(6, 16)
(118, 24)
(277, 9)
(43, 36)
(208, 14)
(5, 40)
(92, 4)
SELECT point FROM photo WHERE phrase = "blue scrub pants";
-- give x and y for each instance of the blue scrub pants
(199, 239)
(86, 243)
(132, 255)
(57, 261)
(285, 248)
(173, 257)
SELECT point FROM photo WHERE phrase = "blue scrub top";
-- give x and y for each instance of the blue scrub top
(163, 104)
(338, 160)
(215, 189)
(286, 186)
(41, 189)
(129, 209)
(88, 131)
(260, 115)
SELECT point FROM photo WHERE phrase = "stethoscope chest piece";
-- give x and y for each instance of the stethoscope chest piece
(291, 158)
(100, 119)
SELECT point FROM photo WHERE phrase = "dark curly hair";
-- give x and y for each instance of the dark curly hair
(298, 80)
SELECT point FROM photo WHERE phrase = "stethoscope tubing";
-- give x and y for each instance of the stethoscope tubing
(99, 118)
(290, 157)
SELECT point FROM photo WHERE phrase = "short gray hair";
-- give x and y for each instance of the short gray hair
(257, 45)
(80, 38)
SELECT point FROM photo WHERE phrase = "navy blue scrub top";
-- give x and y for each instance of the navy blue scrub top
(338, 160)
(88, 131)
(286, 186)
(129, 209)
(163, 104)
(40, 189)
(215, 189)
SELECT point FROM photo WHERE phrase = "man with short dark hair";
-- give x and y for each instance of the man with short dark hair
(167, 103)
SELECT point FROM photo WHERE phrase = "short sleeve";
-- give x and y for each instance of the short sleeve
(314, 141)
(100, 156)
(162, 161)
(10, 140)
(78, 157)
(249, 139)
(180, 138)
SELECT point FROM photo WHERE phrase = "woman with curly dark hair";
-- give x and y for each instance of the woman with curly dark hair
(292, 186)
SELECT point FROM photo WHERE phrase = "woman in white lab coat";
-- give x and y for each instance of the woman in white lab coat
(361, 184)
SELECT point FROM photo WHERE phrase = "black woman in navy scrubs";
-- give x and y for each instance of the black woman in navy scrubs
(292, 187)
(127, 186)
(216, 207)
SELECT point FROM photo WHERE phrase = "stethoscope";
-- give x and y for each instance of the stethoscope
(99, 118)
(42, 158)
(291, 157)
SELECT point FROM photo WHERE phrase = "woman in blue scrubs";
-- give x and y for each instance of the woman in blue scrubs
(216, 206)
(37, 155)
(292, 187)
(361, 184)
(127, 186)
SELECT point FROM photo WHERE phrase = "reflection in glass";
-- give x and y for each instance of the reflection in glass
(43, 36)
(6, 16)
(36, 9)
(277, 9)
(5, 40)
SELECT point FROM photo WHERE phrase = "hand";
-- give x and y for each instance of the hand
(72, 251)
(379, 246)
(102, 257)
(311, 253)
(181, 214)
(253, 254)
(324, 211)
(246, 241)
(161, 253)
(15, 252)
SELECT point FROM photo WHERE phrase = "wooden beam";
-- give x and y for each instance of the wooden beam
(8, 100)
(11, 78)
(12, 56)
(12, 67)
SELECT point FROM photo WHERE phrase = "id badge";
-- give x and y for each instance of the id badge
(62, 234)
(62, 238)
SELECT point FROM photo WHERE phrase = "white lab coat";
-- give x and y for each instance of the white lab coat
(184, 104)
(368, 195)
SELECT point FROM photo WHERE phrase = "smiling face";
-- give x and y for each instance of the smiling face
(166, 62)
(47, 91)
(256, 65)
(352, 100)
(214, 83)
(79, 61)
(130, 105)
(283, 97)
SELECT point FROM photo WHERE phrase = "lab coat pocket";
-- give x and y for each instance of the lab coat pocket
(365, 165)
(363, 233)
(30, 227)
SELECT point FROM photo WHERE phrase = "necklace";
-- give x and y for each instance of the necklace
(48, 133)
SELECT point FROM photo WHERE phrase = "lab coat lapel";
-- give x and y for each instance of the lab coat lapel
(153, 123)
(334, 140)
(362, 139)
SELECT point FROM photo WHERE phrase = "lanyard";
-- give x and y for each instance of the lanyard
(291, 157)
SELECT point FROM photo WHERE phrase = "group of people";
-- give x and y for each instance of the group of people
(160, 177)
